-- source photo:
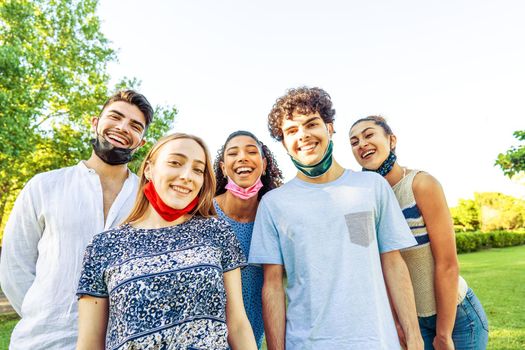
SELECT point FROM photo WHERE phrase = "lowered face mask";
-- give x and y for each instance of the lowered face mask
(109, 153)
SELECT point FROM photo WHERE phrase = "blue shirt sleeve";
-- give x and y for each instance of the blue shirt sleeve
(392, 229)
(92, 276)
(265, 247)
(232, 254)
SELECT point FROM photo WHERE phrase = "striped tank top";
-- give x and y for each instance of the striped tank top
(419, 258)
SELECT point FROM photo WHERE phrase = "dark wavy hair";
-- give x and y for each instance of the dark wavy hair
(303, 100)
(378, 120)
(272, 178)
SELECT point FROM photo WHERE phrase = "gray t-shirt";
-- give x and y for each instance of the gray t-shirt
(329, 238)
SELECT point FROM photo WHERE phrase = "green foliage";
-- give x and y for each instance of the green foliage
(474, 241)
(489, 211)
(53, 80)
(466, 215)
(53, 61)
(513, 161)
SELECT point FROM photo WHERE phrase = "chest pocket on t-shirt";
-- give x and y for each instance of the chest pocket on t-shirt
(360, 227)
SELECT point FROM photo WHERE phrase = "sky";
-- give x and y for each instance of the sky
(449, 75)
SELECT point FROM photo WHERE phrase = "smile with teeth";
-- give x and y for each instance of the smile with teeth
(243, 170)
(367, 153)
(307, 147)
(117, 138)
(181, 189)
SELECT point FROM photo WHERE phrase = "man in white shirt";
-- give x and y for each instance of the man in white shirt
(56, 215)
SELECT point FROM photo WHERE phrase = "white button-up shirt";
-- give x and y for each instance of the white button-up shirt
(53, 220)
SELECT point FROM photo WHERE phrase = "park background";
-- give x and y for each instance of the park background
(447, 75)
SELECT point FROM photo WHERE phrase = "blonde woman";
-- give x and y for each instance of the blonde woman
(169, 277)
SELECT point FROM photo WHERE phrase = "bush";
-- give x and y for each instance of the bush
(474, 241)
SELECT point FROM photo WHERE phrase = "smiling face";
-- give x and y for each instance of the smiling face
(243, 161)
(121, 124)
(306, 137)
(370, 144)
(177, 172)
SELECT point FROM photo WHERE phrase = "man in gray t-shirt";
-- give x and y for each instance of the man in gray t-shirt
(337, 234)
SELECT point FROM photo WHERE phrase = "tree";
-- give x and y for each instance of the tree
(53, 61)
(466, 214)
(513, 161)
(53, 79)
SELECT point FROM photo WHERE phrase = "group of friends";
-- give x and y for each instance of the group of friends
(195, 254)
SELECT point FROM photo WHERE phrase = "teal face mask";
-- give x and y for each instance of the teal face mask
(318, 169)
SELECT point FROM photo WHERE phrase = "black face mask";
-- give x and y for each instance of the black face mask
(110, 154)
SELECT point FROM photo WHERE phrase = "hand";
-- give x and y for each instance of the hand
(415, 342)
(443, 343)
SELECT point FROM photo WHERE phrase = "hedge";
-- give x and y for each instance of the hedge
(474, 241)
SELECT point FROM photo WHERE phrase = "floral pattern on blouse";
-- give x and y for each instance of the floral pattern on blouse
(165, 286)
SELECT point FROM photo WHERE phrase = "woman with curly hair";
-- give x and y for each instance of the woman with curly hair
(245, 170)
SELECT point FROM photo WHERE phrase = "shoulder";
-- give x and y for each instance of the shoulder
(425, 184)
(213, 223)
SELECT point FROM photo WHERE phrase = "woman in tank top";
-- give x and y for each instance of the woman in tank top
(245, 169)
(450, 315)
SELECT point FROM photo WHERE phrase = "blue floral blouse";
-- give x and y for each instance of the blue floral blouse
(165, 286)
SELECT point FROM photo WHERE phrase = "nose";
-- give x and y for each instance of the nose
(186, 173)
(302, 133)
(242, 156)
(124, 125)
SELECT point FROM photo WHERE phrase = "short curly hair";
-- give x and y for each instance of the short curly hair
(303, 100)
(272, 178)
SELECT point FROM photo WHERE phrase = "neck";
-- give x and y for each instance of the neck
(104, 170)
(395, 175)
(332, 174)
(241, 210)
(152, 219)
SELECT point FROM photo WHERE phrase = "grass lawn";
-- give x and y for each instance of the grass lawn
(497, 276)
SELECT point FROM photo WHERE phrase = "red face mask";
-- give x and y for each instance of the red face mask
(165, 211)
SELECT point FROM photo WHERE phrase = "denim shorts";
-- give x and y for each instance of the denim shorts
(471, 329)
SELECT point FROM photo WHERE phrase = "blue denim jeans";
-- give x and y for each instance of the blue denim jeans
(471, 329)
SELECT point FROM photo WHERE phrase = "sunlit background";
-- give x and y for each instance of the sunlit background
(449, 76)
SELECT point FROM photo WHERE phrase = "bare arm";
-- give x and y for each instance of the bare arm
(431, 202)
(397, 279)
(92, 323)
(240, 334)
(274, 306)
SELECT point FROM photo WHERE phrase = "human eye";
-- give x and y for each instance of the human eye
(174, 162)
(369, 135)
(199, 171)
(354, 142)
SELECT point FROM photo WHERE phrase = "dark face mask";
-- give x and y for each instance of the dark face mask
(110, 154)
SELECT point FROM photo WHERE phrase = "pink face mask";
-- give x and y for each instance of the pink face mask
(244, 193)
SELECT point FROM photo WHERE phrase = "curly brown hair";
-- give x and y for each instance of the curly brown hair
(302, 100)
(272, 178)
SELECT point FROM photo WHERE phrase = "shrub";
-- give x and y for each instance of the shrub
(473, 241)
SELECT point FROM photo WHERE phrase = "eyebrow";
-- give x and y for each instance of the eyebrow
(234, 147)
(185, 157)
(306, 122)
(122, 115)
(363, 131)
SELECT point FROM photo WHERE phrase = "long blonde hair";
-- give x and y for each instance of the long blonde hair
(205, 207)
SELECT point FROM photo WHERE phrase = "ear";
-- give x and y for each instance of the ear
(94, 124)
(223, 168)
(142, 143)
(265, 164)
(147, 171)
(393, 142)
(330, 127)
